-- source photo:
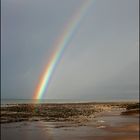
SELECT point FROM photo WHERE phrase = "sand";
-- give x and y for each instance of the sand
(108, 123)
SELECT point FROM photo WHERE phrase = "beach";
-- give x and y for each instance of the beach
(75, 121)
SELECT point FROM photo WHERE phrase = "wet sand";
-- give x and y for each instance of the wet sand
(107, 125)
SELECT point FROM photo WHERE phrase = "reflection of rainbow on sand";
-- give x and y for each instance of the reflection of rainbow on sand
(60, 45)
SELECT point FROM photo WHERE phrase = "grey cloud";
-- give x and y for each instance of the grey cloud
(100, 62)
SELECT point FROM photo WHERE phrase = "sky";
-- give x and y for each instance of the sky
(100, 62)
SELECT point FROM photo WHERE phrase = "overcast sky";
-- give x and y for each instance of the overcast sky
(100, 63)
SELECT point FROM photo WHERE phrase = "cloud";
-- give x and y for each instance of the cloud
(100, 60)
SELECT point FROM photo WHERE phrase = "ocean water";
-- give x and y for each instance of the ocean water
(27, 101)
(24, 101)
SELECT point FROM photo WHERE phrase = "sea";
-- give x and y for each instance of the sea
(28, 101)
(42, 101)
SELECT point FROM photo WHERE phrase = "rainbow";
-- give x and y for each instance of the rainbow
(61, 44)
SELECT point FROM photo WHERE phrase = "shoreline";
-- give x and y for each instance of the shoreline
(77, 112)
(98, 121)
